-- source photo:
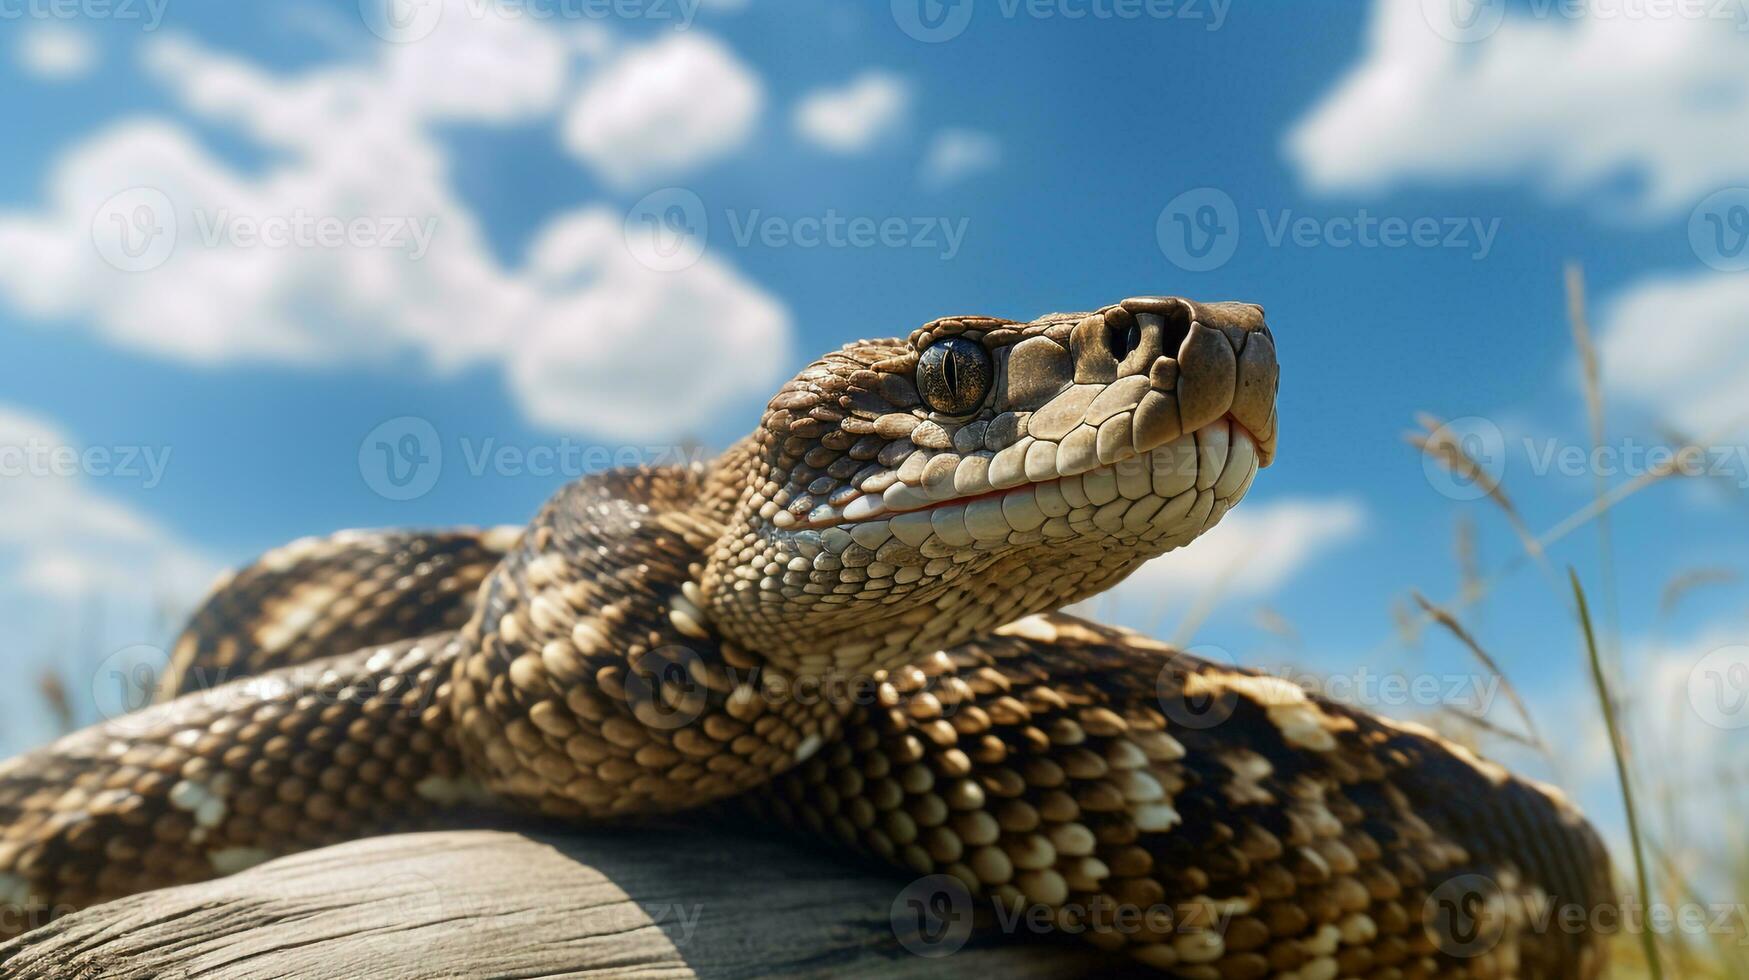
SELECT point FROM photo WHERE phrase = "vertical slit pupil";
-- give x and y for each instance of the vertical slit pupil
(950, 372)
(1125, 341)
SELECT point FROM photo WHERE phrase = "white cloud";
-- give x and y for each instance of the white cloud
(852, 119)
(618, 372)
(59, 539)
(356, 144)
(1677, 347)
(1251, 553)
(90, 587)
(664, 109)
(56, 52)
(1661, 98)
(957, 154)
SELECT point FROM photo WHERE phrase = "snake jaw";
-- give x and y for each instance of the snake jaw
(1087, 444)
(1224, 452)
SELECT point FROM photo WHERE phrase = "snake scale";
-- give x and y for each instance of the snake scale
(848, 624)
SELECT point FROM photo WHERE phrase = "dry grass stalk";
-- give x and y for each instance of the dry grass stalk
(1456, 629)
(1681, 586)
(53, 692)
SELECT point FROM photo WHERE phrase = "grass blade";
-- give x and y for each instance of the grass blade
(1616, 746)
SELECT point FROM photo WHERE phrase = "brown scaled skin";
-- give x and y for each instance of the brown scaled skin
(888, 534)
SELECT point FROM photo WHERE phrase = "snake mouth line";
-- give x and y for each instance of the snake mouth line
(1186, 457)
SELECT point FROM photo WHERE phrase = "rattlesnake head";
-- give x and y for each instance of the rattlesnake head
(902, 495)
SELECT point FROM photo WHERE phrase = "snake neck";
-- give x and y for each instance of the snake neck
(898, 497)
(589, 683)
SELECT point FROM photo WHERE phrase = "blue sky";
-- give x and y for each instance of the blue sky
(1034, 161)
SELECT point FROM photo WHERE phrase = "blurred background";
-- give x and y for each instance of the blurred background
(272, 270)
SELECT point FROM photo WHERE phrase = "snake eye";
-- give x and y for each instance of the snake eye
(1125, 340)
(953, 375)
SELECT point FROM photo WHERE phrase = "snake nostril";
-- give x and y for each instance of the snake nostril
(1173, 337)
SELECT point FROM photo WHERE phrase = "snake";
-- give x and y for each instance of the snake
(849, 625)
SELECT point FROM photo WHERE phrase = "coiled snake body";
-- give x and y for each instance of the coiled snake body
(846, 624)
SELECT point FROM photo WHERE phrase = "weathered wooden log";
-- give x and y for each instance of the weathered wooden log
(484, 903)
